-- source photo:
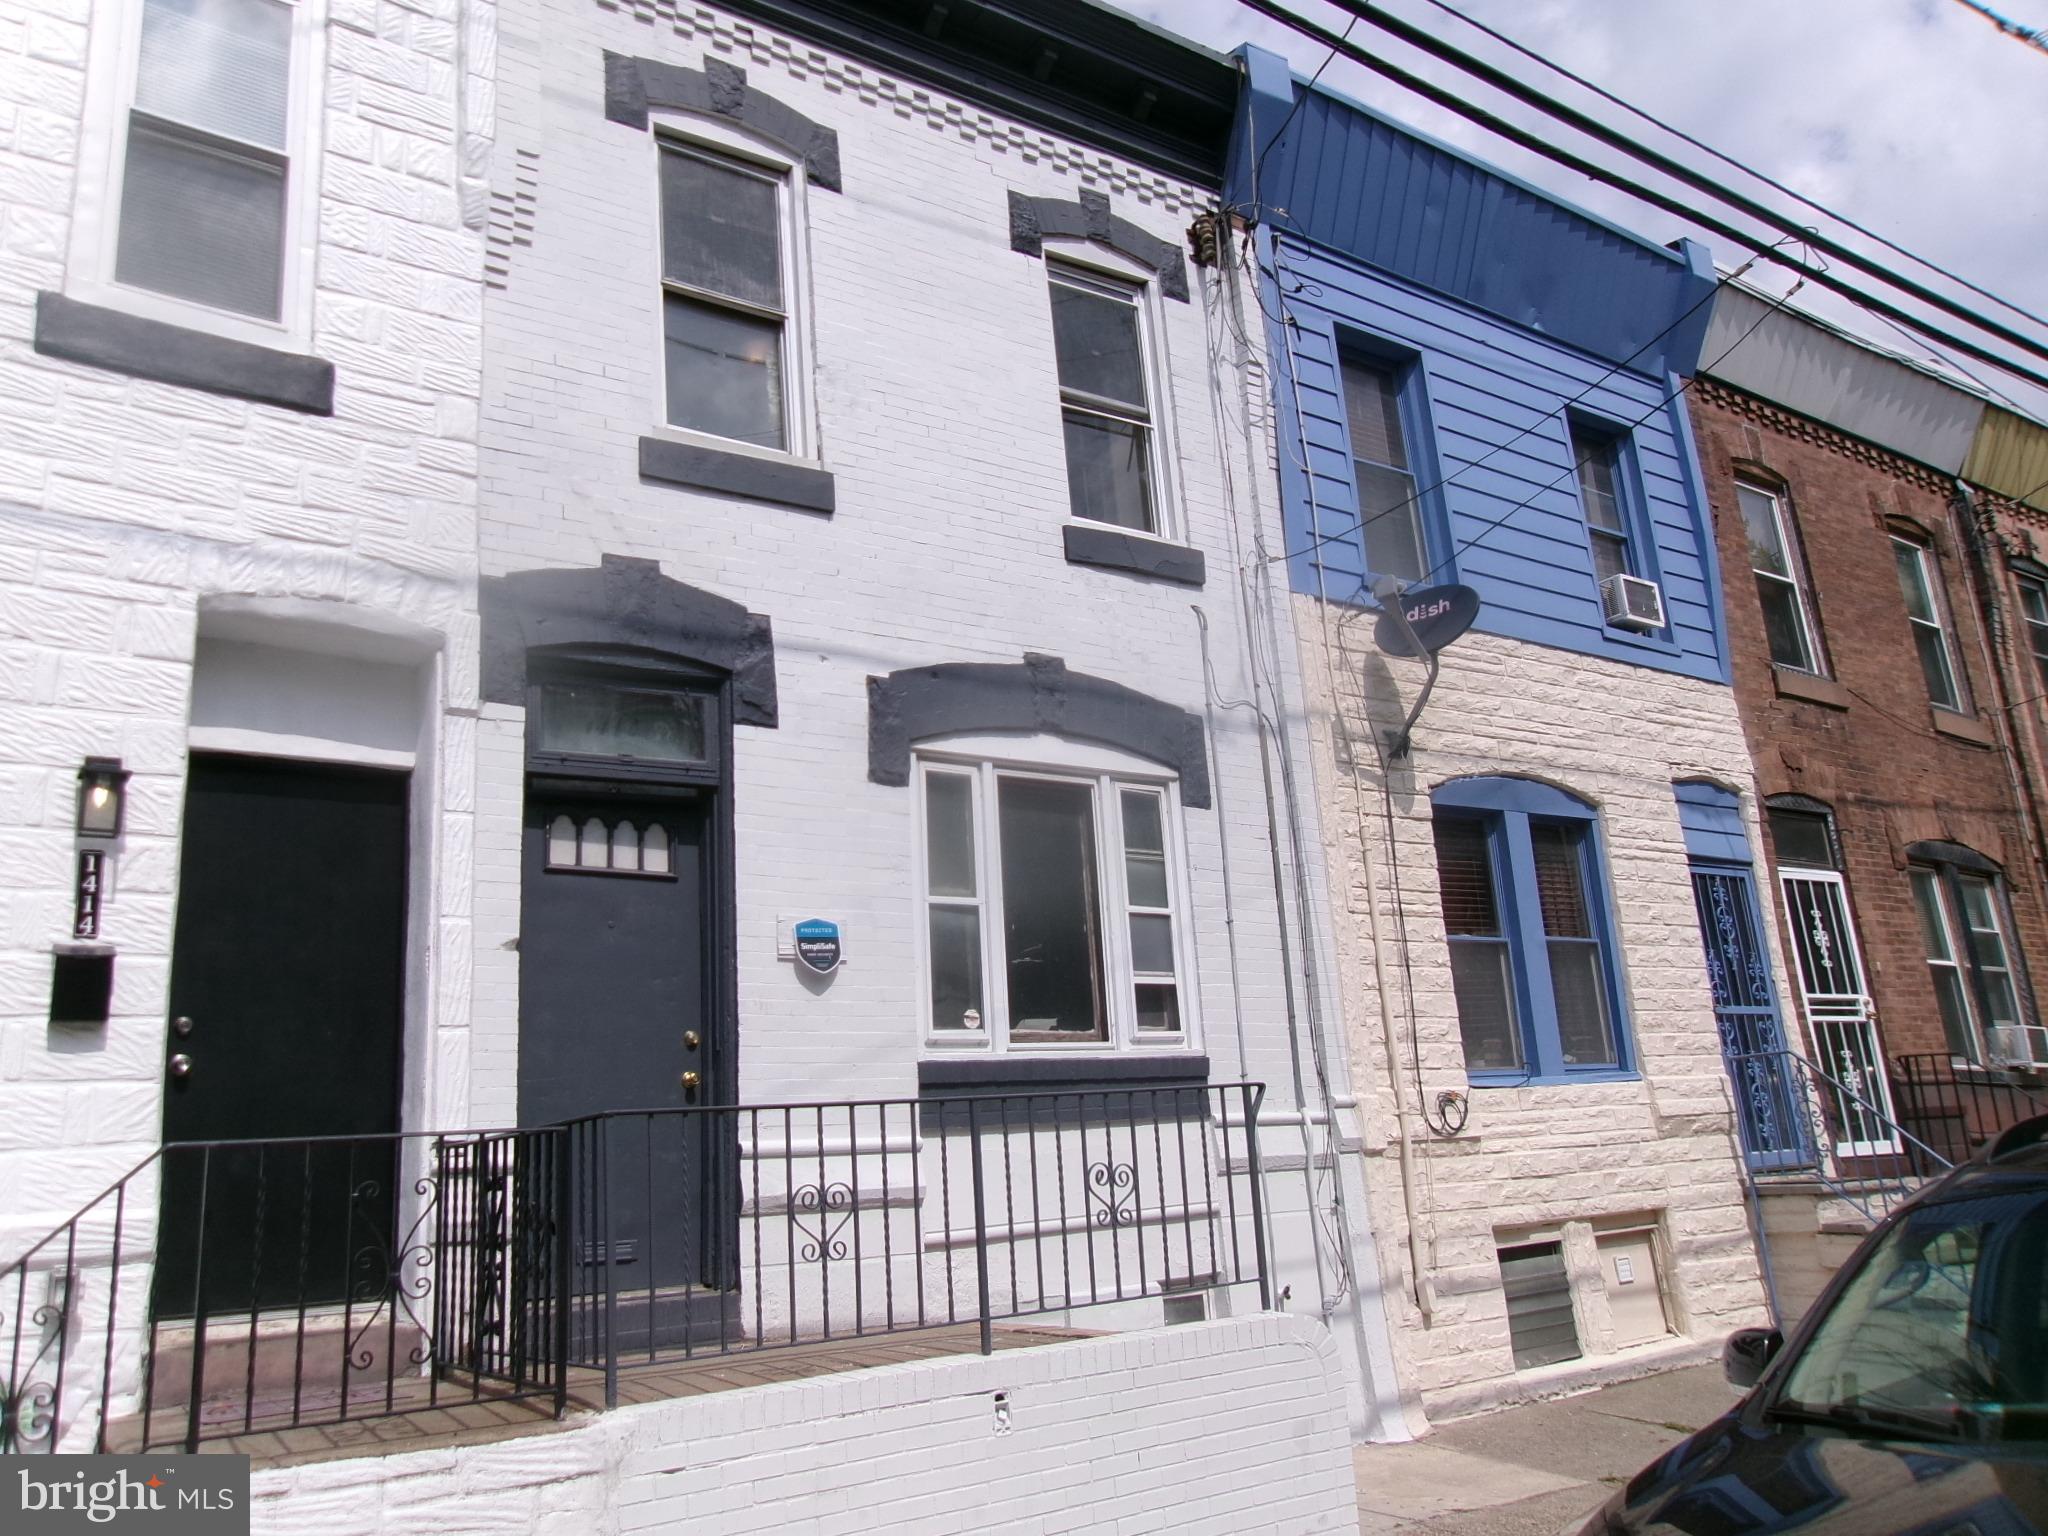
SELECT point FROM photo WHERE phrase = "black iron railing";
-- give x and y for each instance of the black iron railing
(1955, 1108)
(328, 1280)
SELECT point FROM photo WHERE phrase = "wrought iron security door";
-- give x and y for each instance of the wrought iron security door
(1774, 1128)
(1838, 1013)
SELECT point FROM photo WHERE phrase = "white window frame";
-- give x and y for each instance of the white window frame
(115, 52)
(1096, 264)
(1943, 623)
(672, 130)
(990, 758)
(1809, 632)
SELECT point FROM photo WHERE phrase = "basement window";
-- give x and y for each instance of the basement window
(1541, 1326)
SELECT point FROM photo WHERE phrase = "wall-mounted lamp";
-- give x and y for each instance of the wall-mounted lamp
(102, 797)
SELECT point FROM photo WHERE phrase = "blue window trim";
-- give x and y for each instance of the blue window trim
(1508, 805)
(1635, 501)
(1418, 426)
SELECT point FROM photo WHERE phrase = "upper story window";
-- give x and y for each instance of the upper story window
(2034, 608)
(196, 198)
(1780, 588)
(1532, 957)
(726, 296)
(1389, 508)
(1100, 343)
(1929, 619)
(1054, 912)
(1965, 923)
(1598, 457)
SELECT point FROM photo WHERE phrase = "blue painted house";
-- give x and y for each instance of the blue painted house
(1475, 383)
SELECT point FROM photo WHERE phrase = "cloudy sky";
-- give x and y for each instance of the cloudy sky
(1914, 117)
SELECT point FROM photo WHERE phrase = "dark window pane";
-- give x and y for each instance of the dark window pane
(1784, 626)
(1144, 850)
(1767, 552)
(719, 229)
(1372, 408)
(1610, 556)
(1913, 581)
(1560, 884)
(1934, 666)
(1151, 944)
(1391, 518)
(1095, 338)
(1158, 1008)
(724, 372)
(1482, 982)
(1464, 875)
(1109, 470)
(956, 966)
(201, 223)
(1802, 837)
(646, 723)
(1597, 489)
(949, 833)
(1051, 911)
(1580, 992)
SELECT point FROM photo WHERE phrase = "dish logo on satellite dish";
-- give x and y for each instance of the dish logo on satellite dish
(1436, 616)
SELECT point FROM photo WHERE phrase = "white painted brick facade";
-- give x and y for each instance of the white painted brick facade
(1550, 1158)
(937, 411)
(127, 507)
(1225, 1427)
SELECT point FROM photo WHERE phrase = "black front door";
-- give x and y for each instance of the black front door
(286, 1000)
(612, 1022)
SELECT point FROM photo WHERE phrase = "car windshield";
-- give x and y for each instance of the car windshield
(1942, 1332)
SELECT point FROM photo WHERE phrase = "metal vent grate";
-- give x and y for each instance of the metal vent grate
(1539, 1293)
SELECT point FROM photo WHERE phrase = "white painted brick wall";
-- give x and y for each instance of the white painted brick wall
(124, 504)
(1224, 1427)
(938, 413)
(1551, 1156)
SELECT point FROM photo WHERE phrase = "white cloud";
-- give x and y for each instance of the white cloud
(1916, 118)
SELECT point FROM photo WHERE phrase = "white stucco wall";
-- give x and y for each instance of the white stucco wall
(1555, 1160)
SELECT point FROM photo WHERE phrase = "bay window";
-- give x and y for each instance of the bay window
(1053, 909)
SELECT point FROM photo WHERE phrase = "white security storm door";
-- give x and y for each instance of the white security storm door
(1838, 1016)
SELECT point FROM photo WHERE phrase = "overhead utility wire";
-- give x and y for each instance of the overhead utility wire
(1656, 199)
(1522, 91)
(2036, 35)
(1729, 160)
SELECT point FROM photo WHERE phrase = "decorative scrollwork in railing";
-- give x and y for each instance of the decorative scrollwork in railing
(821, 1236)
(1112, 1194)
(27, 1405)
(404, 1278)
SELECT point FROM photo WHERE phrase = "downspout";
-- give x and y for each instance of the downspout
(1997, 640)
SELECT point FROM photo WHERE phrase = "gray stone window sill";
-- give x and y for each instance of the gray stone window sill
(784, 481)
(174, 354)
(1113, 549)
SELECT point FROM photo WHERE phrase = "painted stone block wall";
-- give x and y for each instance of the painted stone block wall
(129, 506)
(1536, 1161)
(1864, 740)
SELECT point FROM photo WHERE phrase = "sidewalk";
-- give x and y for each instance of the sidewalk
(1535, 1470)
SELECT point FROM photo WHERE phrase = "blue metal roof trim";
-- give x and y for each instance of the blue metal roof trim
(1345, 177)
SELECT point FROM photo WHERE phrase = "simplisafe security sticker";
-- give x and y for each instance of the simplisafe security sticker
(142, 1495)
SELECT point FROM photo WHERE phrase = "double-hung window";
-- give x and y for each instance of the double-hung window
(1054, 914)
(1780, 591)
(1598, 458)
(1931, 635)
(725, 300)
(1964, 922)
(2034, 609)
(1389, 506)
(1099, 343)
(204, 208)
(1532, 956)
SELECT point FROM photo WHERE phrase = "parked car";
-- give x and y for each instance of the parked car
(1913, 1398)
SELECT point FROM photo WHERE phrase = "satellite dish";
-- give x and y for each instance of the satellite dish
(1436, 616)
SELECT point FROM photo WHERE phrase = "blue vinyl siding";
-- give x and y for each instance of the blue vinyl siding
(1712, 821)
(1494, 397)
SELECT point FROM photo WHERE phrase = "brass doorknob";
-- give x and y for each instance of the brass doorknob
(690, 1080)
(181, 1025)
(180, 1064)
(692, 1039)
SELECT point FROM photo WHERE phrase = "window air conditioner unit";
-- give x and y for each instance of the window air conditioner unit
(1633, 603)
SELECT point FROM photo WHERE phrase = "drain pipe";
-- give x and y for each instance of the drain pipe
(1244, 1070)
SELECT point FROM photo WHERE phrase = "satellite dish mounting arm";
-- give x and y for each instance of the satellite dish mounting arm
(1388, 590)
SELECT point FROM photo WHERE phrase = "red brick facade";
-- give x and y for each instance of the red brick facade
(1864, 737)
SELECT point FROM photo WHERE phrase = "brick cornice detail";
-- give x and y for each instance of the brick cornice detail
(1806, 429)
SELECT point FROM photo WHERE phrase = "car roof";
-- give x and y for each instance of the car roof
(2018, 1154)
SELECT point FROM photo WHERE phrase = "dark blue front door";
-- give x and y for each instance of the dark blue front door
(1767, 1097)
